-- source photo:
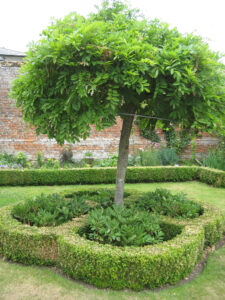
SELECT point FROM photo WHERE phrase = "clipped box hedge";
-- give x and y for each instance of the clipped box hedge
(108, 175)
(131, 267)
(106, 265)
(212, 176)
(212, 221)
(30, 244)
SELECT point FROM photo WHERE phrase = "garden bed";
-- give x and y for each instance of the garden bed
(106, 265)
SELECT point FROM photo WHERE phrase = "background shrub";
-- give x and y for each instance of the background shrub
(111, 161)
(147, 157)
(154, 157)
(168, 156)
(13, 161)
(40, 159)
(215, 159)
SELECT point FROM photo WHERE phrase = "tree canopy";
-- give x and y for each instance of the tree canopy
(87, 71)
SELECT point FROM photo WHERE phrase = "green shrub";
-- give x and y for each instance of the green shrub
(51, 163)
(149, 157)
(154, 157)
(215, 159)
(14, 161)
(6, 158)
(96, 175)
(151, 135)
(146, 157)
(40, 159)
(21, 159)
(168, 156)
(60, 177)
(121, 226)
(51, 210)
(163, 202)
(104, 197)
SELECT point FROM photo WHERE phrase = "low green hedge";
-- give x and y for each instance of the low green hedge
(212, 176)
(108, 175)
(212, 221)
(131, 267)
(161, 174)
(57, 177)
(111, 266)
(27, 244)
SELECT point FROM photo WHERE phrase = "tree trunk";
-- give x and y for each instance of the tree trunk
(123, 158)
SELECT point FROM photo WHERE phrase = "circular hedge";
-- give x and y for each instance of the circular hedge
(106, 265)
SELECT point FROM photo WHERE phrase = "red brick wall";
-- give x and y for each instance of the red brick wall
(16, 136)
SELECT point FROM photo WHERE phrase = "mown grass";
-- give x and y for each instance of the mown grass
(31, 282)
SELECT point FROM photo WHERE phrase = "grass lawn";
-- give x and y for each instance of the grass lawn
(31, 282)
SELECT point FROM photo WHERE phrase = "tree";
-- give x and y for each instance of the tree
(117, 63)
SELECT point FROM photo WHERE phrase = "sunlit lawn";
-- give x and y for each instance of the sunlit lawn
(31, 282)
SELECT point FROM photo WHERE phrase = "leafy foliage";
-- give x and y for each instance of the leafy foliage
(111, 161)
(168, 156)
(177, 140)
(121, 226)
(40, 159)
(147, 157)
(102, 197)
(51, 210)
(148, 129)
(12, 160)
(89, 70)
(151, 135)
(162, 201)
